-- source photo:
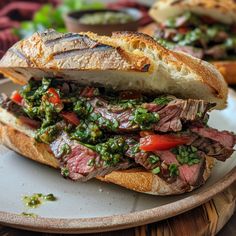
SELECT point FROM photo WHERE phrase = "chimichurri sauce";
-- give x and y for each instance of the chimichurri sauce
(29, 214)
(37, 199)
(52, 101)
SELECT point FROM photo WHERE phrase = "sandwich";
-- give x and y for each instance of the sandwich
(122, 109)
(204, 29)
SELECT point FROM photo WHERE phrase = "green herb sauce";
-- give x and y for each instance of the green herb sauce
(156, 170)
(65, 172)
(144, 118)
(162, 100)
(174, 171)
(87, 132)
(29, 214)
(37, 199)
(187, 155)
(153, 159)
(112, 150)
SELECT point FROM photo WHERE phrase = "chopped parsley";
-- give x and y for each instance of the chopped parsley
(174, 171)
(162, 100)
(113, 150)
(65, 172)
(65, 149)
(47, 135)
(144, 118)
(152, 159)
(187, 155)
(134, 149)
(156, 170)
(82, 108)
(37, 199)
(87, 132)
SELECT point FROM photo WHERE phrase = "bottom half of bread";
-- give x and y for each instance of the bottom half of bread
(137, 179)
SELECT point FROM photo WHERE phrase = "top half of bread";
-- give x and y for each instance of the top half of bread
(123, 61)
(222, 10)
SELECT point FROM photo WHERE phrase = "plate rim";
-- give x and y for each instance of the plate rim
(122, 221)
(115, 222)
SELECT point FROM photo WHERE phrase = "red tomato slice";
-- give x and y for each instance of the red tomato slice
(16, 97)
(161, 142)
(53, 96)
(71, 117)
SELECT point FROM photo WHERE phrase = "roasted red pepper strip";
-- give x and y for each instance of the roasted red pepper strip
(161, 142)
(53, 96)
(16, 97)
(71, 117)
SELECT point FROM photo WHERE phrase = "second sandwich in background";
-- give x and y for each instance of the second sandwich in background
(204, 29)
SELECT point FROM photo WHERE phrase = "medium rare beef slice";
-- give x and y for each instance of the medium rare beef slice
(214, 143)
(165, 117)
(79, 162)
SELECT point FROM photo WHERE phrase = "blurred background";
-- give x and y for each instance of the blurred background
(19, 19)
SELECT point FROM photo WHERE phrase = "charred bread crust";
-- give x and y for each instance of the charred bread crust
(144, 44)
(136, 179)
(221, 10)
(124, 61)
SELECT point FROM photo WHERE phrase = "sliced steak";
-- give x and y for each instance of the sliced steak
(214, 143)
(78, 160)
(181, 110)
(10, 106)
(225, 138)
(171, 115)
(191, 175)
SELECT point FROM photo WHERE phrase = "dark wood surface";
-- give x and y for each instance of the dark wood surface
(228, 230)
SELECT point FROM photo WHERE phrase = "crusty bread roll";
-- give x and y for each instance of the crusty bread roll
(123, 61)
(21, 140)
(222, 10)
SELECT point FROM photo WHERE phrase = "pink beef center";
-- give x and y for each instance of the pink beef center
(79, 158)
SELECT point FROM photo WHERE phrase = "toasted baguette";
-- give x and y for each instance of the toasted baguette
(21, 141)
(222, 10)
(123, 61)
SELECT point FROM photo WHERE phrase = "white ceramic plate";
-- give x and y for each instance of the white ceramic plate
(95, 206)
